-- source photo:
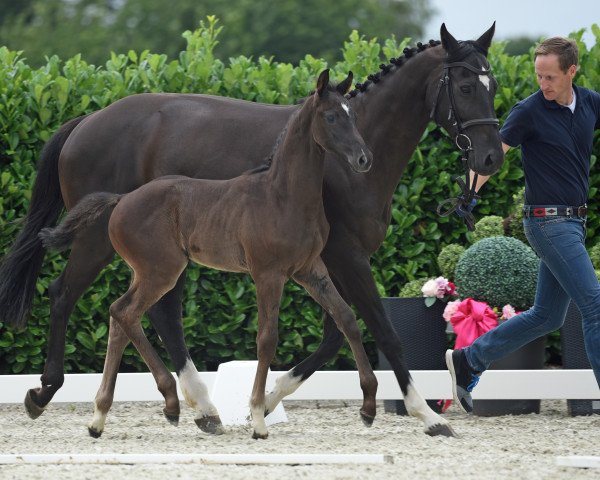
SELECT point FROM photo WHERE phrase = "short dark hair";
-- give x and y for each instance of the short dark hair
(564, 48)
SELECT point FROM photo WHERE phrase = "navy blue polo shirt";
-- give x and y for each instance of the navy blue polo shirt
(555, 146)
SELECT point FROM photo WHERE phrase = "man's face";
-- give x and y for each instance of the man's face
(554, 83)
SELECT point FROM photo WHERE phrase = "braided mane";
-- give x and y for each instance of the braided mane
(394, 62)
(465, 48)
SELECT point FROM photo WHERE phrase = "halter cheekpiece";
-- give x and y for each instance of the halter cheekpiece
(462, 141)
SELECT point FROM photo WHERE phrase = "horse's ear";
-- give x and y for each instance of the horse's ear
(323, 81)
(486, 39)
(344, 87)
(448, 41)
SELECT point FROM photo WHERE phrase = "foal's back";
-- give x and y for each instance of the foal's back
(217, 223)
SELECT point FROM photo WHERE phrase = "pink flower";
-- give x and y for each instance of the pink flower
(450, 310)
(508, 312)
(451, 289)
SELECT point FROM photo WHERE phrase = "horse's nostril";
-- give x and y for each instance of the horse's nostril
(489, 161)
(362, 161)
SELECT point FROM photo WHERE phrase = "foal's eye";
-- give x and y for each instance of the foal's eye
(330, 117)
(465, 89)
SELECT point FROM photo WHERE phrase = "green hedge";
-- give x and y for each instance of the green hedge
(219, 308)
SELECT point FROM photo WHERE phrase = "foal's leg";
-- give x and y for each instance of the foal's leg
(90, 253)
(117, 341)
(127, 312)
(317, 283)
(287, 384)
(268, 294)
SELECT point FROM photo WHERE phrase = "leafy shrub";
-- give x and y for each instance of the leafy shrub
(413, 288)
(219, 313)
(448, 259)
(498, 270)
(515, 219)
(595, 255)
(489, 226)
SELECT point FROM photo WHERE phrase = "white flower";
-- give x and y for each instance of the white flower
(430, 288)
(435, 288)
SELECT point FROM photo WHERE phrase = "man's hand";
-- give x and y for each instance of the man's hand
(463, 210)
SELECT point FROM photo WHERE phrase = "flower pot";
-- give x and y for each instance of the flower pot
(528, 357)
(422, 332)
(575, 356)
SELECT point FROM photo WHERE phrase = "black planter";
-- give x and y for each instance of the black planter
(575, 356)
(528, 357)
(422, 331)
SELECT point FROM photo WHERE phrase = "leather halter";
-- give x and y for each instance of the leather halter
(462, 141)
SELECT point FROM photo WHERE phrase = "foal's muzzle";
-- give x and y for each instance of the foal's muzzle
(362, 161)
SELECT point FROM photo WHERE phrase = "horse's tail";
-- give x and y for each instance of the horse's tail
(22, 264)
(80, 217)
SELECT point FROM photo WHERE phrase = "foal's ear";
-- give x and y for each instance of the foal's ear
(448, 41)
(486, 39)
(323, 81)
(344, 87)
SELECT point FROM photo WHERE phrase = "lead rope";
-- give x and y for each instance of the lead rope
(450, 205)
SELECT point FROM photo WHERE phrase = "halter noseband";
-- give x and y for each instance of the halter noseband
(462, 141)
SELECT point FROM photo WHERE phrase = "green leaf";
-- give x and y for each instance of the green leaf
(429, 301)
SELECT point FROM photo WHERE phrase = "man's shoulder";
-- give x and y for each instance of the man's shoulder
(586, 93)
(535, 100)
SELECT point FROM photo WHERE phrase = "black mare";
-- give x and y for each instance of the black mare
(212, 137)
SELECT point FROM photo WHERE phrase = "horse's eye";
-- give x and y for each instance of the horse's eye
(330, 117)
(466, 89)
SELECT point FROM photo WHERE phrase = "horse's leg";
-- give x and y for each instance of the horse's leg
(117, 341)
(89, 254)
(317, 283)
(287, 384)
(353, 272)
(166, 319)
(268, 295)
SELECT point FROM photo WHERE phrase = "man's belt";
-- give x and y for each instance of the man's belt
(555, 211)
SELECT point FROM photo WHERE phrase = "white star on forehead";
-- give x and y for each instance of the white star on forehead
(485, 79)
(346, 108)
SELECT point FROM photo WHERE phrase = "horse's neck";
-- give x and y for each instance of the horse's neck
(297, 169)
(392, 116)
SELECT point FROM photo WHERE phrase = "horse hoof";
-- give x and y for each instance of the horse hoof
(259, 436)
(94, 433)
(367, 419)
(172, 419)
(210, 424)
(33, 410)
(442, 429)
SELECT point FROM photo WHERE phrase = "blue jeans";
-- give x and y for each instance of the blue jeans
(565, 273)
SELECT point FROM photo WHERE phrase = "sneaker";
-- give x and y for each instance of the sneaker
(464, 379)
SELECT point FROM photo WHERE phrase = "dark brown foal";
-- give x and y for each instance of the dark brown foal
(269, 223)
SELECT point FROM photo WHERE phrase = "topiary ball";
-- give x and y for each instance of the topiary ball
(448, 258)
(498, 271)
(490, 226)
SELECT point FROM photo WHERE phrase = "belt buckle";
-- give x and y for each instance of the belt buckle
(582, 211)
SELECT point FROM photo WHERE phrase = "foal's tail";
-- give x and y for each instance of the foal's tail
(21, 265)
(81, 216)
